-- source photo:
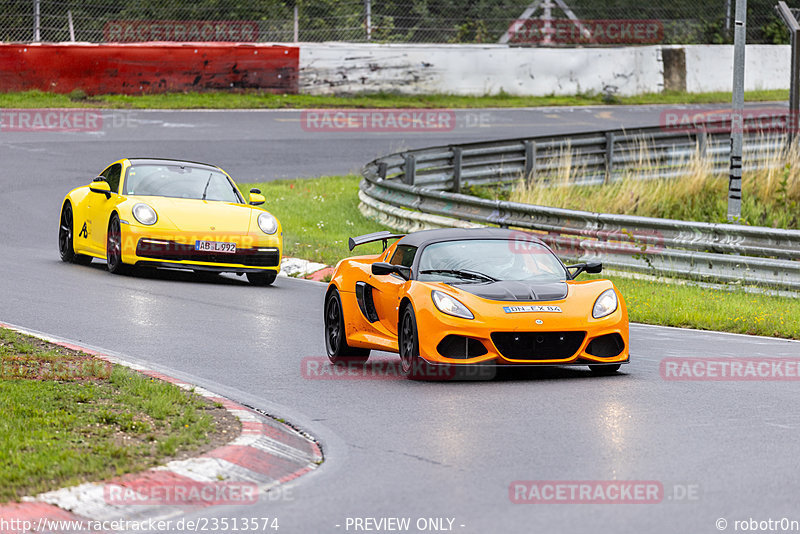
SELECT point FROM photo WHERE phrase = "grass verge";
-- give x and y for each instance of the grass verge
(261, 100)
(671, 304)
(770, 197)
(68, 418)
(318, 215)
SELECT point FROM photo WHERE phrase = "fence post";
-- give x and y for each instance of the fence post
(296, 23)
(609, 156)
(368, 18)
(530, 161)
(702, 140)
(794, 86)
(737, 117)
(37, 21)
(410, 169)
(71, 27)
(457, 161)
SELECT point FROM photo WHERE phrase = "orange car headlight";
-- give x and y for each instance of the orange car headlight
(606, 304)
(449, 305)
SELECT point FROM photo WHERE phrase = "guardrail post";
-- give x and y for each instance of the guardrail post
(382, 167)
(530, 161)
(609, 156)
(702, 139)
(410, 169)
(457, 159)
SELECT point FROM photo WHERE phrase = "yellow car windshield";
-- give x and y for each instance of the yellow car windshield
(177, 181)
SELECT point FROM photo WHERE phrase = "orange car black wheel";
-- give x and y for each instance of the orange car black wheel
(412, 365)
(604, 370)
(335, 339)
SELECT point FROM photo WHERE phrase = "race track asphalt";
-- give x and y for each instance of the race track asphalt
(396, 448)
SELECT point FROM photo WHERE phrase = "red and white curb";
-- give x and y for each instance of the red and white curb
(310, 270)
(266, 454)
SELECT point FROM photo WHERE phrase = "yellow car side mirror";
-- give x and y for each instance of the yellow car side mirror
(101, 187)
(257, 199)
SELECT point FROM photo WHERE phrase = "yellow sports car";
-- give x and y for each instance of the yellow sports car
(170, 214)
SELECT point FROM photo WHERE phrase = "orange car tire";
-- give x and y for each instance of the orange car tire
(339, 352)
(411, 364)
(604, 370)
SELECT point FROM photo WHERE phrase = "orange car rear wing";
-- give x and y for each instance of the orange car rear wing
(384, 236)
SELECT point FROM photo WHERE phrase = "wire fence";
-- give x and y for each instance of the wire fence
(518, 22)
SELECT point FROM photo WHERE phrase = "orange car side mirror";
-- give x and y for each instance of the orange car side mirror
(383, 268)
(592, 267)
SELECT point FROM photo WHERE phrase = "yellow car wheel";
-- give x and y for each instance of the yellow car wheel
(114, 247)
(262, 279)
(65, 242)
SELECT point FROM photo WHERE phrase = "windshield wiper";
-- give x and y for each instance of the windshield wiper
(210, 175)
(463, 273)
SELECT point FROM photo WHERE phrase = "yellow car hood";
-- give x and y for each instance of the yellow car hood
(192, 215)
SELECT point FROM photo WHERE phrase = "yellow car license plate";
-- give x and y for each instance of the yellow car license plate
(215, 246)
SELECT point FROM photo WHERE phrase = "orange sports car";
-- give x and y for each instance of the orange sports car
(471, 297)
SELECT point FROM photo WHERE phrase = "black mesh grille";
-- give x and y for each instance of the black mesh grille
(538, 345)
(365, 302)
(453, 346)
(169, 250)
(606, 346)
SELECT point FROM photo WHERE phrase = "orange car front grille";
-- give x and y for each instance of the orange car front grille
(538, 345)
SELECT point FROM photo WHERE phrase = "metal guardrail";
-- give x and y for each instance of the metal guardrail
(595, 157)
(416, 180)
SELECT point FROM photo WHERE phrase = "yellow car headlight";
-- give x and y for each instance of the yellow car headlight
(267, 223)
(144, 214)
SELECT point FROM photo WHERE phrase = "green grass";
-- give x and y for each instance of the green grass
(67, 418)
(770, 196)
(261, 100)
(670, 304)
(318, 215)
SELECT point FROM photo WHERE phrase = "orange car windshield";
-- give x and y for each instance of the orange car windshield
(488, 260)
(179, 182)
